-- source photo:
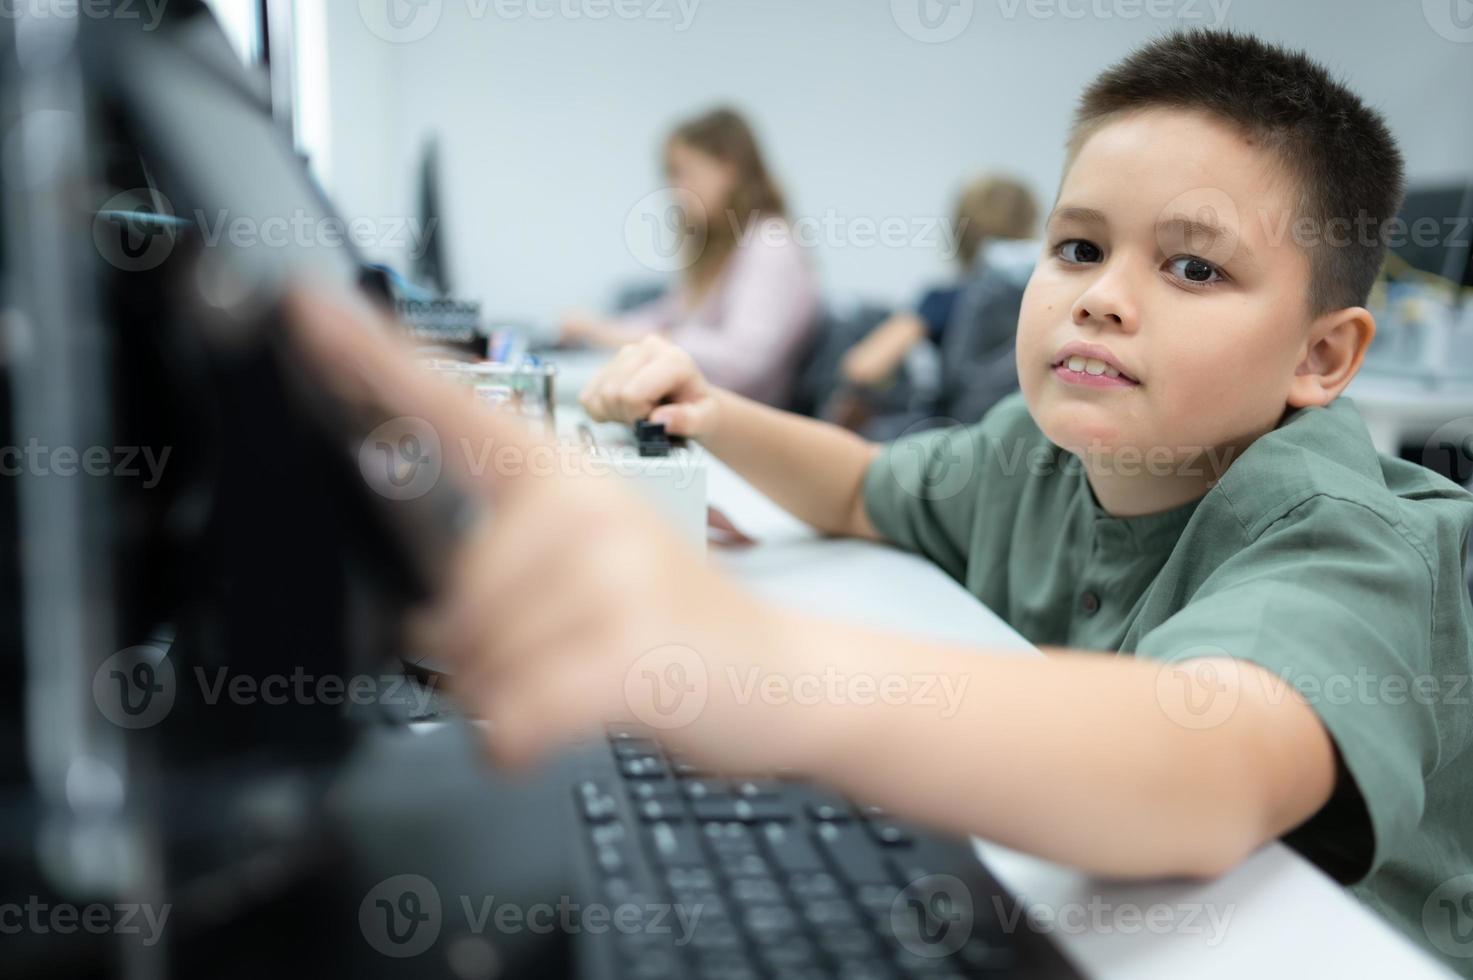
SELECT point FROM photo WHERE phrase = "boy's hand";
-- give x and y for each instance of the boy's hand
(654, 379)
(570, 603)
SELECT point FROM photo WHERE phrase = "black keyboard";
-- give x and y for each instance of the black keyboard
(740, 878)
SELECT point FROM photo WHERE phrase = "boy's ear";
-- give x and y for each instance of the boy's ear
(1334, 347)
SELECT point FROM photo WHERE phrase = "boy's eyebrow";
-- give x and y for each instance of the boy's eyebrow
(1087, 216)
(1208, 233)
(1199, 231)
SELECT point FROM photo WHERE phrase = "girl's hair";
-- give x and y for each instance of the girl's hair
(723, 134)
(992, 206)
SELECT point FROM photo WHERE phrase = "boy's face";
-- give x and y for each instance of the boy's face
(1168, 249)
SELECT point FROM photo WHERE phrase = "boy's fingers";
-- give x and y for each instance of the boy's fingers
(362, 363)
(684, 419)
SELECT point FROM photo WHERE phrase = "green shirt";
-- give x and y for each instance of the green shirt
(1337, 569)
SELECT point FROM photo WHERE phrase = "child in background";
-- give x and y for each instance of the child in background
(990, 208)
(747, 298)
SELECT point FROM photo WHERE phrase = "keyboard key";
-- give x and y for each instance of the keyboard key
(753, 789)
(877, 898)
(820, 810)
(728, 808)
(655, 964)
(652, 790)
(711, 935)
(596, 805)
(890, 834)
(746, 866)
(768, 919)
(608, 833)
(799, 973)
(682, 878)
(818, 885)
(822, 913)
(725, 966)
(864, 970)
(853, 853)
(844, 942)
(628, 748)
(675, 844)
(644, 767)
(791, 849)
(700, 789)
(685, 769)
(652, 810)
(627, 729)
(611, 860)
(792, 953)
(730, 838)
(756, 891)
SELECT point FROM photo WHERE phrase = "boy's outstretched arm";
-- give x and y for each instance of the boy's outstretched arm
(1116, 765)
(571, 603)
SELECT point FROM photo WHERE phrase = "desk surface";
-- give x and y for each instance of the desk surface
(1274, 915)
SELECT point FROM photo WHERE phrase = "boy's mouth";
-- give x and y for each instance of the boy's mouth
(1072, 375)
(1092, 365)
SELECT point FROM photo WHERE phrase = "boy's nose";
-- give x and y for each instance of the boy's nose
(1106, 303)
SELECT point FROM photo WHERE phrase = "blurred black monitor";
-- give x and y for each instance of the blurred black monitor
(225, 536)
(1436, 236)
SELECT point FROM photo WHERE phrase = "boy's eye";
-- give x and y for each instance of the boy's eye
(1195, 270)
(1077, 251)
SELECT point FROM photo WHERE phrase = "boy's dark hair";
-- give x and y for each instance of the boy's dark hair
(1345, 160)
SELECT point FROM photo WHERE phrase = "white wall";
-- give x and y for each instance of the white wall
(550, 125)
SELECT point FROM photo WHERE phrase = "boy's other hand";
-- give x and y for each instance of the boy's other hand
(657, 380)
(569, 603)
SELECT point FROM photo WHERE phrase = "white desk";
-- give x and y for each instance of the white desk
(1279, 915)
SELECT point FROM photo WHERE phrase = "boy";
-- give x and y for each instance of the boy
(1268, 630)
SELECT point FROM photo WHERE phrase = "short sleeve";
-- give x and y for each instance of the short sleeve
(923, 490)
(1337, 602)
(935, 309)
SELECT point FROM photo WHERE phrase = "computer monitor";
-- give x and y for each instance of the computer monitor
(146, 326)
(1436, 231)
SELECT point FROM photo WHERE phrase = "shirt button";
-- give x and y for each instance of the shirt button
(1090, 603)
